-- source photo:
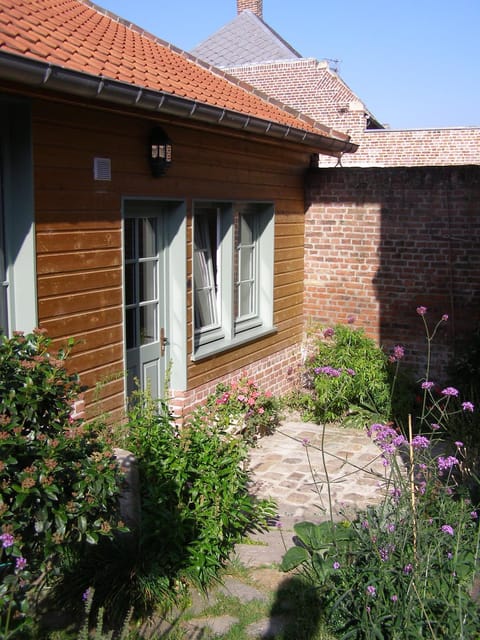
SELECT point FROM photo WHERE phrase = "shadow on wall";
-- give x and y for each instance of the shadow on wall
(382, 241)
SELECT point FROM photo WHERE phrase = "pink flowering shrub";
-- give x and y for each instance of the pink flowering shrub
(59, 480)
(242, 407)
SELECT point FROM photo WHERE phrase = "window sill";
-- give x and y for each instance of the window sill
(220, 346)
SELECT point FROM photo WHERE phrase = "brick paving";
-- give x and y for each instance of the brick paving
(290, 467)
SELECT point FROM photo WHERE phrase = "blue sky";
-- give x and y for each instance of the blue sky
(414, 63)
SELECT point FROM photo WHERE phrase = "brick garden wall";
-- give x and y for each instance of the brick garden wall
(411, 148)
(382, 241)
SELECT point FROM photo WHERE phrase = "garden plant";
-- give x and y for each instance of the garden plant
(403, 568)
(59, 479)
(240, 407)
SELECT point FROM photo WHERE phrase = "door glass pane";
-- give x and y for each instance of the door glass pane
(148, 281)
(130, 328)
(147, 243)
(130, 289)
(148, 324)
(129, 238)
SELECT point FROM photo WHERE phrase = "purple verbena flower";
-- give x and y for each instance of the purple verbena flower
(398, 352)
(450, 391)
(445, 317)
(328, 332)
(328, 371)
(408, 568)
(20, 564)
(420, 442)
(467, 406)
(351, 319)
(371, 590)
(435, 426)
(446, 463)
(459, 444)
(394, 598)
(336, 565)
(446, 528)
(428, 384)
(421, 311)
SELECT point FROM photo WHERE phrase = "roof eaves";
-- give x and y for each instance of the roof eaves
(35, 73)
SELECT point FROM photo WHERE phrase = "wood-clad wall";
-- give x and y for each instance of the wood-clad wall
(78, 230)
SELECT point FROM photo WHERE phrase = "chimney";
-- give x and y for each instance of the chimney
(255, 6)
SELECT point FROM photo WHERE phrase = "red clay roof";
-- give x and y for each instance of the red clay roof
(81, 36)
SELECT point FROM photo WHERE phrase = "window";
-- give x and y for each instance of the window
(232, 273)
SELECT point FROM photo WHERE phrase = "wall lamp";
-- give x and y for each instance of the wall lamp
(159, 152)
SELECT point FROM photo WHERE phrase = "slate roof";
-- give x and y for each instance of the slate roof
(247, 39)
(80, 36)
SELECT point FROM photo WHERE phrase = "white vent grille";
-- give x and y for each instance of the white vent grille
(102, 169)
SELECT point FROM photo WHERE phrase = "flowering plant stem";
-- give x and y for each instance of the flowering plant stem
(412, 486)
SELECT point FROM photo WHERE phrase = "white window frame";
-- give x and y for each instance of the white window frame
(230, 329)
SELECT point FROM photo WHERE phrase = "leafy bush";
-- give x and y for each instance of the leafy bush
(241, 407)
(195, 507)
(59, 480)
(405, 567)
(346, 371)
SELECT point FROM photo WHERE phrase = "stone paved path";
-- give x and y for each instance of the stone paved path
(289, 467)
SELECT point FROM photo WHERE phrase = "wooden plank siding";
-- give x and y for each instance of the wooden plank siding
(79, 240)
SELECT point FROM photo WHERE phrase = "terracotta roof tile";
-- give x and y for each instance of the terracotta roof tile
(80, 36)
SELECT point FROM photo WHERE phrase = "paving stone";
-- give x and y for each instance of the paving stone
(218, 625)
(238, 589)
(267, 628)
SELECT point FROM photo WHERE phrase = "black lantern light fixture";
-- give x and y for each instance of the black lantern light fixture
(159, 152)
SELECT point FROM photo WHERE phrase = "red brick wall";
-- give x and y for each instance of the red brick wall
(275, 373)
(412, 148)
(381, 242)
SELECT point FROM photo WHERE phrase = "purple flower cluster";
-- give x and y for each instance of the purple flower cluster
(428, 384)
(446, 528)
(420, 442)
(387, 438)
(332, 372)
(7, 540)
(444, 464)
(328, 371)
(450, 391)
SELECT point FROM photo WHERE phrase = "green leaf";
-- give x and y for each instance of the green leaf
(293, 558)
(315, 536)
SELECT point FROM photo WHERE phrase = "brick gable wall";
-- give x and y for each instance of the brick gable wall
(380, 242)
(310, 87)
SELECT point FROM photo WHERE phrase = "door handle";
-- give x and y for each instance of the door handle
(163, 341)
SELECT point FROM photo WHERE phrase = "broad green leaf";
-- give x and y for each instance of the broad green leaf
(293, 558)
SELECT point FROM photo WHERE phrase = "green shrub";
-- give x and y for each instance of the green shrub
(59, 480)
(346, 371)
(195, 500)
